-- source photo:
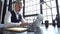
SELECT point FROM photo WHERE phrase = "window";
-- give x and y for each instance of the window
(59, 2)
(32, 7)
(49, 14)
(59, 5)
(30, 19)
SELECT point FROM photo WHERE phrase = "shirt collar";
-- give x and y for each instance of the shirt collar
(16, 12)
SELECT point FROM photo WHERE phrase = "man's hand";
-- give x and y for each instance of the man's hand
(23, 24)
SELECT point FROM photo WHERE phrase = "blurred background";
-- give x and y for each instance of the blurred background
(50, 9)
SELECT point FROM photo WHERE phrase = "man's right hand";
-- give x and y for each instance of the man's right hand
(23, 24)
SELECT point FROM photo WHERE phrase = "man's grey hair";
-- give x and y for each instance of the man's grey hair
(17, 2)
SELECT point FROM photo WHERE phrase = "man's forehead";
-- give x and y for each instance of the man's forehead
(20, 3)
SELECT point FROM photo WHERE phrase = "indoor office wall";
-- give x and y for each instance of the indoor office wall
(4, 9)
(32, 7)
(1, 9)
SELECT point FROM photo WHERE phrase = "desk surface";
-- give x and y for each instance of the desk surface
(16, 29)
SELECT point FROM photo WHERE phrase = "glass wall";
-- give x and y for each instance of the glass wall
(49, 10)
(32, 7)
(59, 5)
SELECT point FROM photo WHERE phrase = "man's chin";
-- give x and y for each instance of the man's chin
(19, 10)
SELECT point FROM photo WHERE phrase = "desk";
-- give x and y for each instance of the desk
(15, 30)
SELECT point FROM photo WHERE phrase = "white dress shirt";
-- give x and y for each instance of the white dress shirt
(7, 20)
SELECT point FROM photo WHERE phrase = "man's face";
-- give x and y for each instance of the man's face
(18, 7)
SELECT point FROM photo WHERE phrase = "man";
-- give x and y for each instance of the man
(13, 18)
